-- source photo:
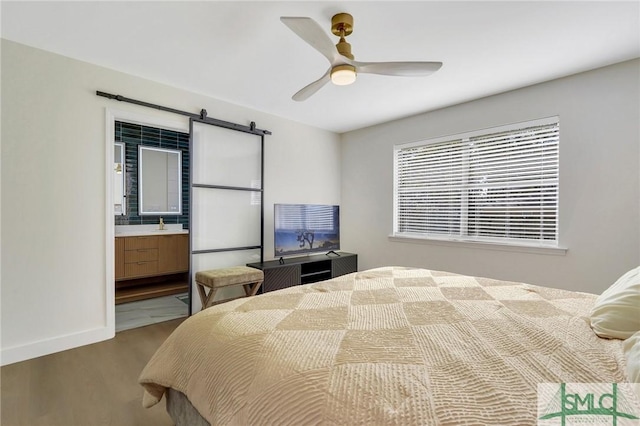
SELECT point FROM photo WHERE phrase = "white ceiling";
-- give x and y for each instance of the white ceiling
(240, 52)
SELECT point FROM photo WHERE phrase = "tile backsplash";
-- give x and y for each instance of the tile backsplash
(133, 135)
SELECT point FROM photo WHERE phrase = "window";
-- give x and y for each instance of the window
(498, 185)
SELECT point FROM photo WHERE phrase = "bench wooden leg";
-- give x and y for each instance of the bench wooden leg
(205, 298)
(251, 289)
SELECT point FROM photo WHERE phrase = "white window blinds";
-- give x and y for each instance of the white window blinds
(499, 185)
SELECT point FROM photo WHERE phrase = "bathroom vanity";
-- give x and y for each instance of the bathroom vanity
(150, 262)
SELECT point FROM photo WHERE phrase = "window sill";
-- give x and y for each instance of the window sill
(555, 251)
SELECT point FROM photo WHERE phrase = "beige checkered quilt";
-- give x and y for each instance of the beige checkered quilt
(384, 346)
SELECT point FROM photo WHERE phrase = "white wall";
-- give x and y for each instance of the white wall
(54, 214)
(53, 178)
(599, 188)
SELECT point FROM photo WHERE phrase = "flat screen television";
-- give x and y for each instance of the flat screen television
(305, 228)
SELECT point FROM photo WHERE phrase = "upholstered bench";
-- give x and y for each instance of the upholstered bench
(215, 279)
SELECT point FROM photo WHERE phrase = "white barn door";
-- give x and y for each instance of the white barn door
(226, 220)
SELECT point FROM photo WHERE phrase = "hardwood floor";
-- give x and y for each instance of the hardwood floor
(91, 385)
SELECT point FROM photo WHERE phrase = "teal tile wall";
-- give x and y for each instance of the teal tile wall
(133, 135)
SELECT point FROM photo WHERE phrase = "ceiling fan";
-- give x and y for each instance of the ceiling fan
(343, 68)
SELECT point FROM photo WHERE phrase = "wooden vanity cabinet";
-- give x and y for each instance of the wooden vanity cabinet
(151, 266)
(119, 258)
(173, 253)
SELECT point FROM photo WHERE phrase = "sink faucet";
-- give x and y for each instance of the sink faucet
(161, 225)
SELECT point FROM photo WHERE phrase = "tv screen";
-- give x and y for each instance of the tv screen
(305, 228)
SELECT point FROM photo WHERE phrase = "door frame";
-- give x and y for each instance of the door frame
(111, 116)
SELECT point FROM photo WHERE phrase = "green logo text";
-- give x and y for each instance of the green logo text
(607, 403)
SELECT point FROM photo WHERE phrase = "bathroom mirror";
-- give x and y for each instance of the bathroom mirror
(159, 181)
(119, 205)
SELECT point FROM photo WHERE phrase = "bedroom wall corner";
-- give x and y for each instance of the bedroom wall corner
(599, 189)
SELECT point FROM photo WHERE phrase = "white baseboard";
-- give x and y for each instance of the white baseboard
(53, 345)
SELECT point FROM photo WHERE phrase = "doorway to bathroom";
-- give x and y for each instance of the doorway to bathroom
(150, 199)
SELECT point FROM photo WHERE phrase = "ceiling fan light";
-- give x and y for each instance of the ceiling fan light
(343, 75)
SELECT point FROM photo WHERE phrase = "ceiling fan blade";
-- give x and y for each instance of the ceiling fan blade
(309, 30)
(404, 69)
(306, 92)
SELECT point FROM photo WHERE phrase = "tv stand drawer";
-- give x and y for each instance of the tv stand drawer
(344, 265)
(277, 278)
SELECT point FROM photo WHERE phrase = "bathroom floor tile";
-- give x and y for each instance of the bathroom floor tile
(150, 311)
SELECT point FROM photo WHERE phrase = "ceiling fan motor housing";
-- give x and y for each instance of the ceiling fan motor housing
(344, 48)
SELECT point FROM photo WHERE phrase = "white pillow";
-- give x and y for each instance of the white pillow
(631, 348)
(616, 313)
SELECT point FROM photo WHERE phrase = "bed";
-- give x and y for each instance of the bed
(391, 345)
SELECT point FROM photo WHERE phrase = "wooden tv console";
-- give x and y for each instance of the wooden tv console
(305, 269)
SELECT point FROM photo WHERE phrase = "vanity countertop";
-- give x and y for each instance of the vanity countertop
(144, 230)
